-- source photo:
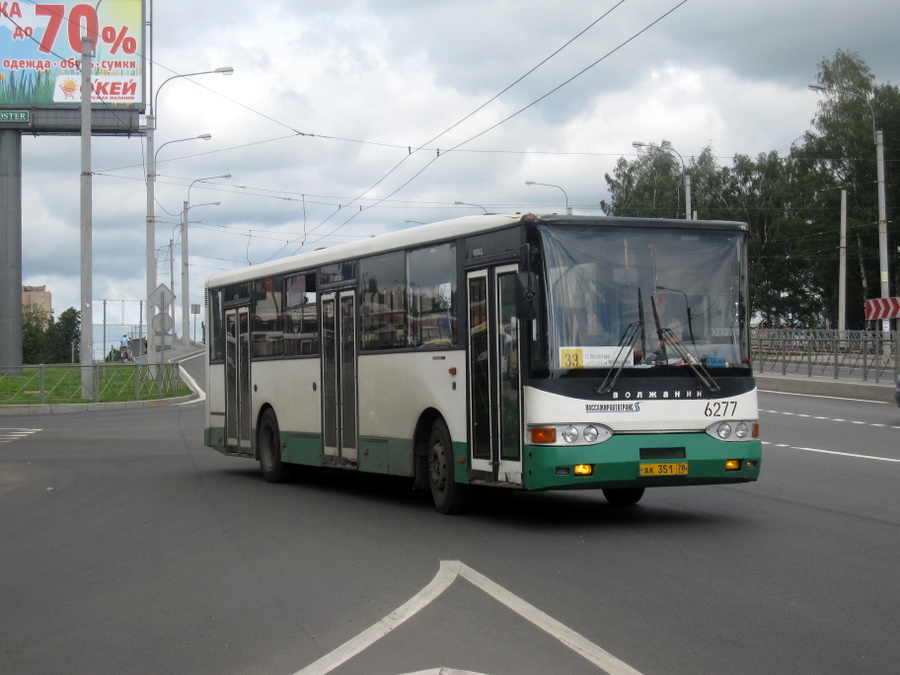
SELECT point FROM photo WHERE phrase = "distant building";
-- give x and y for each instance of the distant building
(37, 295)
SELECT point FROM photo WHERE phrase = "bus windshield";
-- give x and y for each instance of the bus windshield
(624, 298)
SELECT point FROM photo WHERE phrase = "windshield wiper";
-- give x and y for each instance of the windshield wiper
(629, 337)
(669, 337)
(626, 347)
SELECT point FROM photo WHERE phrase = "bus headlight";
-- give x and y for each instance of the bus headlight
(734, 430)
(570, 434)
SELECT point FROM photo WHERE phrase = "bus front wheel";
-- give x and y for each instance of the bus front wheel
(268, 443)
(623, 496)
(449, 496)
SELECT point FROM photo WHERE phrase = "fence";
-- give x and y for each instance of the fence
(866, 355)
(28, 385)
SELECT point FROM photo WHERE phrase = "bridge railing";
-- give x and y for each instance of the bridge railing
(866, 355)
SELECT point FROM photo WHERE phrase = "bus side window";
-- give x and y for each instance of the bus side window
(216, 330)
(301, 317)
(383, 310)
(265, 328)
(432, 296)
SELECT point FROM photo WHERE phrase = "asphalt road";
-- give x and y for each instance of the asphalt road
(126, 546)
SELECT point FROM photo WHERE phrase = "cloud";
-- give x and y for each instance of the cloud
(329, 98)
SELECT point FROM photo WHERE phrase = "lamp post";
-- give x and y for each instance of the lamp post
(688, 214)
(882, 206)
(568, 210)
(185, 267)
(151, 179)
(200, 137)
(468, 204)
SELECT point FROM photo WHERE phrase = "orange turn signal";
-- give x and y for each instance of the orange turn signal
(543, 435)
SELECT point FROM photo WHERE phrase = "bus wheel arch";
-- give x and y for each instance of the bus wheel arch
(268, 447)
(421, 436)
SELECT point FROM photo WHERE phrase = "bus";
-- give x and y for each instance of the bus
(527, 352)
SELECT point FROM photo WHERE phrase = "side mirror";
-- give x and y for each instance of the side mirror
(527, 296)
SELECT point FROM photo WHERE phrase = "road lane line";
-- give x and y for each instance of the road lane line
(449, 571)
(835, 452)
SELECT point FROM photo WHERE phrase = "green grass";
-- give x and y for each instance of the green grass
(109, 383)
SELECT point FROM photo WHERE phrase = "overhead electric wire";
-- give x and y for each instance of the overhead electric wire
(521, 110)
(411, 152)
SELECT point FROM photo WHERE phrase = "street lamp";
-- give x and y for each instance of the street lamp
(185, 268)
(568, 210)
(468, 204)
(687, 179)
(201, 137)
(882, 207)
(151, 179)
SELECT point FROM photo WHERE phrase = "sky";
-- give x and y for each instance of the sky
(347, 119)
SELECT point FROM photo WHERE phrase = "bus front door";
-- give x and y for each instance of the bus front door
(495, 408)
(237, 381)
(339, 415)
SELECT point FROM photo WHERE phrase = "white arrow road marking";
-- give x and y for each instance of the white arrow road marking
(447, 574)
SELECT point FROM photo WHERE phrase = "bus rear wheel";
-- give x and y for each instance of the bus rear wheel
(268, 444)
(623, 496)
(449, 496)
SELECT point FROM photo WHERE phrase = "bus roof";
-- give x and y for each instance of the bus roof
(420, 235)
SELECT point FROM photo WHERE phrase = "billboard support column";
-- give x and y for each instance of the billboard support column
(10, 250)
(87, 206)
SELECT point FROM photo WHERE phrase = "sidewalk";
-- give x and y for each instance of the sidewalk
(827, 385)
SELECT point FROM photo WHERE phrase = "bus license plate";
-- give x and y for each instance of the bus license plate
(666, 469)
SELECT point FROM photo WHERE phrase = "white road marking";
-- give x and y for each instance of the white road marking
(832, 398)
(10, 434)
(785, 413)
(834, 452)
(192, 383)
(449, 571)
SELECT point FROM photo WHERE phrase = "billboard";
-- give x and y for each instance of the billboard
(40, 55)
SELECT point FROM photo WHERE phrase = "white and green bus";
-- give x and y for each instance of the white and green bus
(521, 352)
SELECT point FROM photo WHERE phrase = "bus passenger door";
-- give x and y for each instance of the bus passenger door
(237, 381)
(495, 417)
(339, 377)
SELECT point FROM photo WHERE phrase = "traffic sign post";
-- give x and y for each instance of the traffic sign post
(162, 323)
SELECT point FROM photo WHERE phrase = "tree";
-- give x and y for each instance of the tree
(841, 144)
(65, 338)
(649, 187)
(47, 341)
(792, 203)
(34, 334)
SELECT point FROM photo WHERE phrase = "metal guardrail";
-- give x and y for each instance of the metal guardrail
(863, 355)
(54, 384)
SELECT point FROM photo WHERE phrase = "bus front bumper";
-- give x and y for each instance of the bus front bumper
(643, 460)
